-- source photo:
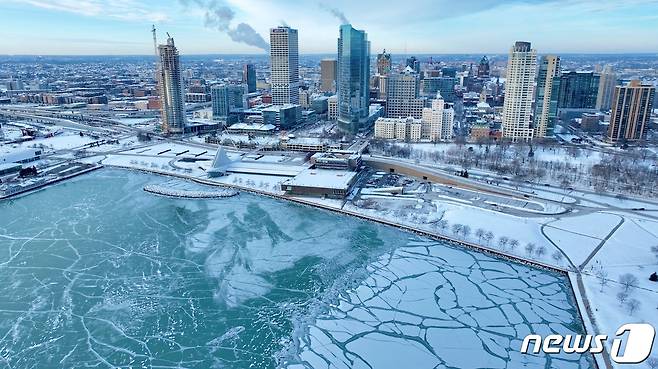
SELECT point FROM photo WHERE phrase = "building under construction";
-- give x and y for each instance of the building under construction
(171, 88)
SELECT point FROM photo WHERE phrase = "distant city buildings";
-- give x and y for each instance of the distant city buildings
(171, 89)
(414, 64)
(517, 122)
(284, 61)
(545, 104)
(436, 124)
(483, 68)
(249, 77)
(328, 75)
(383, 63)
(353, 77)
(607, 85)
(631, 111)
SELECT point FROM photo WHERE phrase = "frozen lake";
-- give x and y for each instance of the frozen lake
(94, 272)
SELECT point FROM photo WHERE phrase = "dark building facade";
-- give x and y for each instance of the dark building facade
(249, 77)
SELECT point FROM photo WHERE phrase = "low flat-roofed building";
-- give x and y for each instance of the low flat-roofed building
(309, 144)
(336, 160)
(256, 129)
(335, 184)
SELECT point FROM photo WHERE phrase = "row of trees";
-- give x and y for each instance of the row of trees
(632, 172)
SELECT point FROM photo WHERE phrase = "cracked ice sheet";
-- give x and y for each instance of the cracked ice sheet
(435, 306)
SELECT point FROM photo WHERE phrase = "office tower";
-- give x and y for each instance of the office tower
(449, 72)
(284, 61)
(236, 97)
(517, 109)
(607, 85)
(353, 77)
(483, 68)
(221, 101)
(171, 89)
(249, 77)
(631, 112)
(402, 95)
(545, 105)
(414, 64)
(578, 91)
(328, 75)
(444, 85)
(383, 63)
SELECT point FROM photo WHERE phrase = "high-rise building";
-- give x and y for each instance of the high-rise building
(483, 67)
(402, 95)
(437, 121)
(414, 64)
(221, 103)
(249, 77)
(171, 88)
(284, 61)
(353, 77)
(444, 85)
(383, 63)
(578, 90)
(631, 112)
(517, 109)
(236, 95)
(607, 85)
(545, 105)
(328, 75)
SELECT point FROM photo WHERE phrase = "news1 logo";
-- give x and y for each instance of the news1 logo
(637, 344)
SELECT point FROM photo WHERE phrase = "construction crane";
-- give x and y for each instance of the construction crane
(155, 41)
(157, 56)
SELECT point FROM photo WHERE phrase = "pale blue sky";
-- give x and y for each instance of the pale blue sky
(417, 26)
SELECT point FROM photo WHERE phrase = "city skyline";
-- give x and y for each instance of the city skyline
(93, 27)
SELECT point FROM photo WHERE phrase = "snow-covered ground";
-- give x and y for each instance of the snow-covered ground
(577, 234)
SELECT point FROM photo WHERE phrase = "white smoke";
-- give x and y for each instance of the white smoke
(219, 16)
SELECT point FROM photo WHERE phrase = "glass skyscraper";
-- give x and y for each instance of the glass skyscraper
(353, 77)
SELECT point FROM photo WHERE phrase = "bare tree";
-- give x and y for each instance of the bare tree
(540, 252)
(466, 231)
(628, 281)
(442, 224)
(488, 237)
(513, 244)
(529, 248)
(654, 250)
(502, 242)
(602, 276)
(622, 296)
(456, 229)
(479, 233)
(632, 305)
(557, 256)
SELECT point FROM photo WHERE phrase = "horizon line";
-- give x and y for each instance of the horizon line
(329, 53)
